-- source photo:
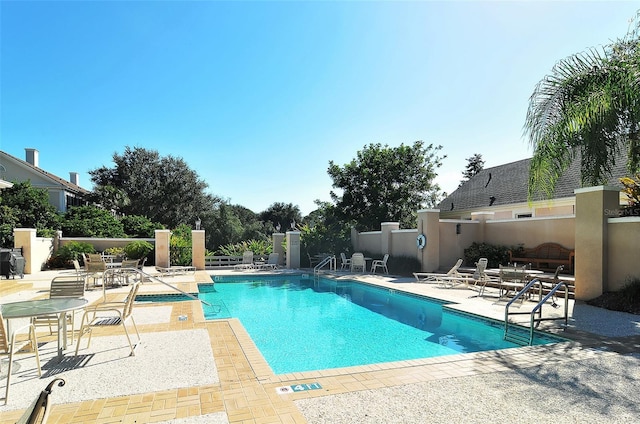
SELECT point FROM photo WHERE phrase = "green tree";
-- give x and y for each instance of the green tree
(323, 231)
(387, 184)
(25, 206)
(281, 216)
(139, 226)
(588, 108)
(91, 221)
(110, 198)
(475, 164)
(164, 189)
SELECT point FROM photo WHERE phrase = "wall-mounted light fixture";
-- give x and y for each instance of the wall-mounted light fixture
(458, 228)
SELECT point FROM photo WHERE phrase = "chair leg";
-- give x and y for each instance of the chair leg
(81, 333)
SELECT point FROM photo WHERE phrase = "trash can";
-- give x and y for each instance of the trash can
(11, 262)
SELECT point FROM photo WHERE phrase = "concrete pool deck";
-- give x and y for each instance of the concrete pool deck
(573, 378)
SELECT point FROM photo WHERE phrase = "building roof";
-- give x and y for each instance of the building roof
(508, 184)
(54, 178)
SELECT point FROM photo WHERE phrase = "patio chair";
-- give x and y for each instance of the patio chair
(272, 262)
(247, 261)
(110, 313)
(11, 346)
(38, 411)
(380, 264)
(358, 262)
(62, 286)
(345, 263)
(512, 278)
(94, 267)
(427, 277)
(313, 260)
(127, 270)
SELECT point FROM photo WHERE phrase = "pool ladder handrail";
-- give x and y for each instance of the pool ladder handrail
(144, 275)
(534, 322)
(331, 260)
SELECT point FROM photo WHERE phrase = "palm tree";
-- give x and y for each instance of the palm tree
(587, 108)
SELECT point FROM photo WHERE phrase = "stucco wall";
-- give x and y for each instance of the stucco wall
(403, 243)
(623, 244)
(369, 241)
(530, 232)
(100, 244)
(455, 236)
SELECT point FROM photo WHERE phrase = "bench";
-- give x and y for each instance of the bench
(546, 256)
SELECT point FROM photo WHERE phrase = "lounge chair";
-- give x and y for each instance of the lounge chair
(10, 346)
(38, 411)
(62, 286)
(478, 279)
(380, 264)
(110, 313)
(345, 263)
(432, 277)
(247, 261)
(272, 262)
(358, 262)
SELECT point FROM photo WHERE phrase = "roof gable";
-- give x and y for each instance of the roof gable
(40, 173)
(508, 184)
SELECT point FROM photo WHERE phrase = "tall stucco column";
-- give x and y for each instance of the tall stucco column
(429, 225)
(163, 248)
(594, 206)
(385, 239)
(482, 218)
(278, 239)
(355, 240)
(198, 250)
(293, 249)
(26, 238)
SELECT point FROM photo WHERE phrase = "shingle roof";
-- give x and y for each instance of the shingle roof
(507, 184)
(66, 184)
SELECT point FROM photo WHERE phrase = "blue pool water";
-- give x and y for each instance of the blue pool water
(302, 324)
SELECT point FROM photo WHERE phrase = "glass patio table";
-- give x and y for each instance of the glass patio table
(33, 308)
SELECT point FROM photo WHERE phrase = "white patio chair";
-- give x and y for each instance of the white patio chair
(345, 263)
(358, 262)
(380, 264)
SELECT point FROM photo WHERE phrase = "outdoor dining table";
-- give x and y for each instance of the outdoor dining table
(33, 308)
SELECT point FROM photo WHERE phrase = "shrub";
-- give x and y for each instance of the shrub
(258, 247)
(115, 251)
(138, 249)
(67, 253)
(495, 255)
(403, 265)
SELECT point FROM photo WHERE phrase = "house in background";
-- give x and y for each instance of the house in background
(502, 190)
(62, 193)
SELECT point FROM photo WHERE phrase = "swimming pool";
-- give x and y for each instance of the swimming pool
(304, 324)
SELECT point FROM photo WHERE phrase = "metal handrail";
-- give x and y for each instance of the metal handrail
(543, 301)
(518, 295)
(151, 277)
(331, 260)
(534, 322)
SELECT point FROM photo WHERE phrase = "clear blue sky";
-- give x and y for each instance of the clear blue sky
(258, 97)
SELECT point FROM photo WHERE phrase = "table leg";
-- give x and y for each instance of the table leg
(62, 333)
